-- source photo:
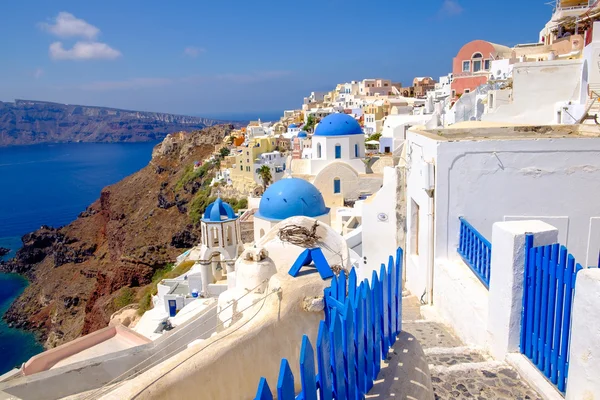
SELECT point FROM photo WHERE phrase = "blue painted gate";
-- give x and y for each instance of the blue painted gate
(361, 323)
(550, 274)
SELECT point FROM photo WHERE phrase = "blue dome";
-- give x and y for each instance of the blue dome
(338, 125)
(302, 134)
(292, 126)
(218, 211)
(291, 197)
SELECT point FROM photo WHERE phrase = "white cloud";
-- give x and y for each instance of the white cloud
(450, 8)
(67, 25)
(37, 74)
(83, 51)
(193, 51)
(135, 83)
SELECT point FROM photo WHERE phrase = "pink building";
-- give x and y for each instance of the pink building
(472, 64)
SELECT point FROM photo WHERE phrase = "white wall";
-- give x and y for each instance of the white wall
(552, 180)
(379, 226)
(537, 87)
(328, 144)
(584, 357)
(418, 252)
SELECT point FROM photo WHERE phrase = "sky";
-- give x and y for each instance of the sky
(215, 58)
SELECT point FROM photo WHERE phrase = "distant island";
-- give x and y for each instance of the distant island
(27, 122)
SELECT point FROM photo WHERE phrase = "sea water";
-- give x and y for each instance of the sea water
(51, 185)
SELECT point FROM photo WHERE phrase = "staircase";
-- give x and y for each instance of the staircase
(593, 103)
(459, 371)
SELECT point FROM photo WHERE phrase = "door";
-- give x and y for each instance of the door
(387, 149)
(172, 308)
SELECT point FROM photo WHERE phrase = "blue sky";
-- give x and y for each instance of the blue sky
(229, 56)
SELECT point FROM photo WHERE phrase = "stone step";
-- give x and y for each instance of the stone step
(450, 357)
(431, 334)
(482, 381)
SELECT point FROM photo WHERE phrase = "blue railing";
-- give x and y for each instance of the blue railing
(361, 324)
(550, 274)
(476, 251)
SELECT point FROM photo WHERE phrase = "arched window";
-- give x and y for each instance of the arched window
(356, 150)
(477, 60)
(318, 150)
(261, 233)
(338, 151)
(215, 236)
(229, 235)
(337, 186)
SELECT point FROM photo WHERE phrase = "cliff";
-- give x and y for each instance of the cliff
(78, 272)
(31, 122)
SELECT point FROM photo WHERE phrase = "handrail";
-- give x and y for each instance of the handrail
(475, 250)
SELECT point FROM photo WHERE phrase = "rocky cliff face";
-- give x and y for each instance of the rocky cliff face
(31, 122)
(136, 226)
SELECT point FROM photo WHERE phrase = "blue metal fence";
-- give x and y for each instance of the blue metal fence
(550, 274)
(476, 251)
(361, 323)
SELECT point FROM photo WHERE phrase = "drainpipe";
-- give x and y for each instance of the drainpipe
(429, 187)
(431, 245)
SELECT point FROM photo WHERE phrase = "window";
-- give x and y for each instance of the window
(487, 65)
(241, 167)
(466, 66)
(215, 236)
(453, 93)
(247, 160)
(318, 150)
(229, 235)
(338, 151)
(356, 150)
(337, 186)
(477, 62)
(414, 227)
(467, 91)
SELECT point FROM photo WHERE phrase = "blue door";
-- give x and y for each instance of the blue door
(338, 151)
(172, 308)
(336, 186)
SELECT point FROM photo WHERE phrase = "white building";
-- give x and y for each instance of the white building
(220, 246)
(338, 138)
(490, 175)
(292, 131)
(276, 163)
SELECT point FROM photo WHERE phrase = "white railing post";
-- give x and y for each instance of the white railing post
(584, 356)
(507, 280)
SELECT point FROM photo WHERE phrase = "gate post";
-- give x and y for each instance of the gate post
(584, 355)
(507, 281)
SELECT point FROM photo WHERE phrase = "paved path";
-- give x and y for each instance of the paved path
(457, 371)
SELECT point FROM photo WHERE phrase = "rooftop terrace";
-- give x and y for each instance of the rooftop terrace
(480, 130)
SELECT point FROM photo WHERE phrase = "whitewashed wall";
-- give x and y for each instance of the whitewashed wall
(379, 226)
(552, 180)
(537, 87)
(418, 252)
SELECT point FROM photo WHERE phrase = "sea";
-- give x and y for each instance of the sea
(51, 184)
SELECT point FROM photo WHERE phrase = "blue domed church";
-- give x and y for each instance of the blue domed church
(289, 197)
(337, 168)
